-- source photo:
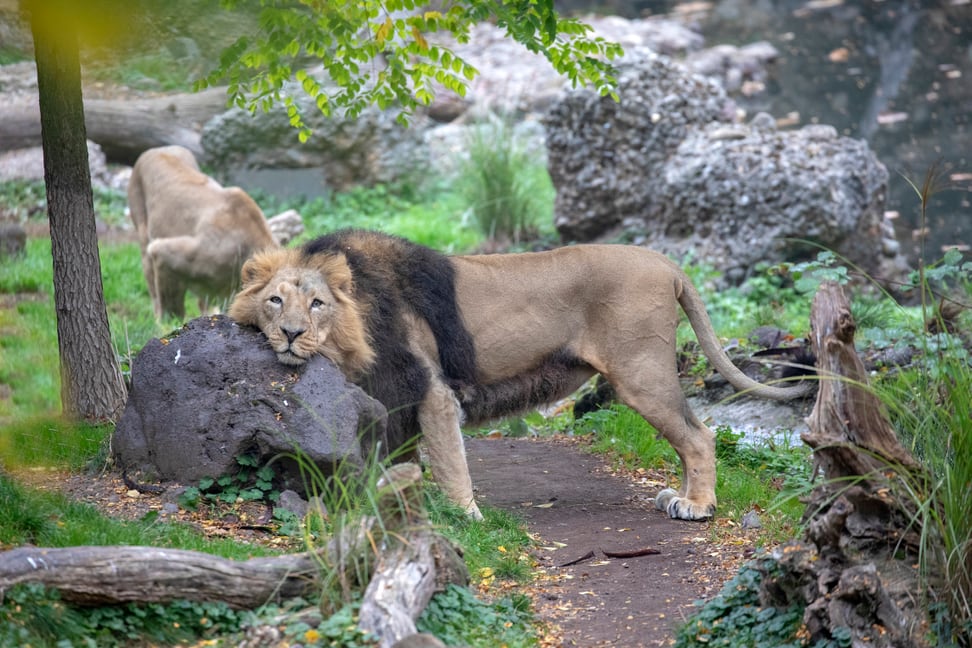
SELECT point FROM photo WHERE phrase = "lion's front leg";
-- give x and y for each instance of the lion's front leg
(439, 417)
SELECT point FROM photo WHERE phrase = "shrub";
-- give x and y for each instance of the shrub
(506, 189)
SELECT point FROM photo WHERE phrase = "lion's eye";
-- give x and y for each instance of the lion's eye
(275, 300)
(317, 303)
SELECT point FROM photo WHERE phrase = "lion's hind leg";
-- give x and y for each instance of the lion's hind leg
(661, 402)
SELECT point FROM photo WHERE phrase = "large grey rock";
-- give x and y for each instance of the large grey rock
(668, 167)
(369, 148)
(606, 158)
(737, 195)
(28, 164)
(215, 391)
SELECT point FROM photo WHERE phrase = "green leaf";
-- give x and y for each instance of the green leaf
(346, 38)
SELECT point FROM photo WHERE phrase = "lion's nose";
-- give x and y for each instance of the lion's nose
(292, 334)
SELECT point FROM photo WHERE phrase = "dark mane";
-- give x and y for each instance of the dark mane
(393, 276)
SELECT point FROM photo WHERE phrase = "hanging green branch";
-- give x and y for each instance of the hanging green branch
(381, 52)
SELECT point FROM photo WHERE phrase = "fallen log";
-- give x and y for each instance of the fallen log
(124, 128)
(114, 575)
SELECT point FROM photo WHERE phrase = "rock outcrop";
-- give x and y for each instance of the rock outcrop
(214, 391)
(668, 167)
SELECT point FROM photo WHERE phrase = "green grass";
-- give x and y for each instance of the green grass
(509, 194)
(623, 433)
(29, 516)
(496, 546)
(158, 71)
(428, 215)
(29, 347)
(932, 411)
(51, 441)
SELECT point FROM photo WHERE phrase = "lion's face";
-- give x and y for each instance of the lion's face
(304, 306)
(297, 313)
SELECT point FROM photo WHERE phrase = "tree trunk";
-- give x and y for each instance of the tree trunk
(92, 388)
(855, 568)
(416, 562)
(849, 431)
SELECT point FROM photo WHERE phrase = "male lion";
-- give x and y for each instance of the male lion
(194, 233)
(445, 340)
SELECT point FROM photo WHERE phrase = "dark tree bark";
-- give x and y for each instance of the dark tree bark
(92, 388)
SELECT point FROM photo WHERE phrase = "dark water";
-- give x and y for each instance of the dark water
(897, 73)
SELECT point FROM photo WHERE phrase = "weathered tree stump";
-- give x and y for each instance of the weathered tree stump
(855, 568)
(413, 563)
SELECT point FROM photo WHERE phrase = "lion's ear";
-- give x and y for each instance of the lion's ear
(337, 273)
(260, 267)
(250, 271)
(344, 285)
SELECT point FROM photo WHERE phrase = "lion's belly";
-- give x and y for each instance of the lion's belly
(552, 378)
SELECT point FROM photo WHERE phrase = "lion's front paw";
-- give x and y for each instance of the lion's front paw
(681, 508)
(472, 510)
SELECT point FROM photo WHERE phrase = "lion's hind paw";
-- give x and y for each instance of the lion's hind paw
(681, 508)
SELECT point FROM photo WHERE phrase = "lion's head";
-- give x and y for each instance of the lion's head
(304, 305)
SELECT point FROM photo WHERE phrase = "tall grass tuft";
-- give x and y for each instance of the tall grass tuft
(506, 188)
(932, 409)
(932, 412)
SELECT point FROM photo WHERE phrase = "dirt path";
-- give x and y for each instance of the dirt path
(575, 505)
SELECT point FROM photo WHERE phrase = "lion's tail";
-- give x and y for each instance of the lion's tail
(694, 307)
